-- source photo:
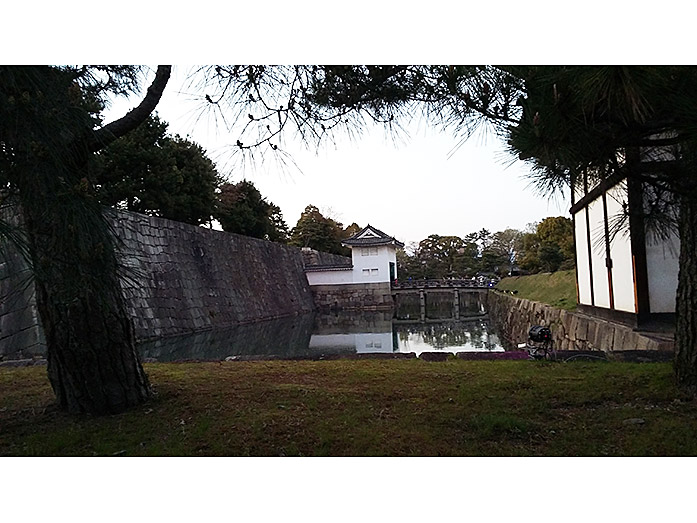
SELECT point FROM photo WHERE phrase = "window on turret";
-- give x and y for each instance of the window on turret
(369, 251)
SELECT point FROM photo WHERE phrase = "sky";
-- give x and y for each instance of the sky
(409, 186)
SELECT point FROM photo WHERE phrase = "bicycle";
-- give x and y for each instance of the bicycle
(540, 345)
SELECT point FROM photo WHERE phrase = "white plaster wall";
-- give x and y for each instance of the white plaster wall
(621, 252)
(662, 266)
(366, 269)
(329, 277)
(381, 262)
(601, 289)
(582, 264)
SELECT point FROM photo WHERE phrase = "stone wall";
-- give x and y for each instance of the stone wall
(20, 334)
(177, 278)
(513, 317)
(357, 296)
(181, 278)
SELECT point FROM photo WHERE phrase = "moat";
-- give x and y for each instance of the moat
(315, 336)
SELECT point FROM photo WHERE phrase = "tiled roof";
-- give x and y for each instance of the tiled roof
(373, 237)
(312, 268)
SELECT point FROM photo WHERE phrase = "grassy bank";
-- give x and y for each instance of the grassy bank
(368, 407)
(557, 289)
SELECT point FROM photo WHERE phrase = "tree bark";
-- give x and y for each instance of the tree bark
(685, 364)
(93, 363)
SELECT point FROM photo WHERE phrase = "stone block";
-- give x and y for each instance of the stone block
(581, 333)
(434, 356)
(619, 338)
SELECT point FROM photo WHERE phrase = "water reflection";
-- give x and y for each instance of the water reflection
(313, 336)
(463, 336)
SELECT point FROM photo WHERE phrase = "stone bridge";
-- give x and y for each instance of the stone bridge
(455, 299)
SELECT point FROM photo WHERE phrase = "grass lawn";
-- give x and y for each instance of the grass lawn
(557, 289)
(366, 408)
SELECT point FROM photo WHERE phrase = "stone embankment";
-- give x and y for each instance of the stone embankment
(356, 297)
(571, 331)
(182, 278)
(176, 278)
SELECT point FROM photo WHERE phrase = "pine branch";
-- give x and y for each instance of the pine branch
(116, 129)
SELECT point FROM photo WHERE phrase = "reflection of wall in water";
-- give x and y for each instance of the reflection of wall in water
(353, 322)
(286, 337)
(355, 342)
(472, 303)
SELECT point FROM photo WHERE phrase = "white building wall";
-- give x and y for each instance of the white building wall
(372, 264)
(329, 277)
(662, 266)
(621, 252)
(601, 288)
(582, 263)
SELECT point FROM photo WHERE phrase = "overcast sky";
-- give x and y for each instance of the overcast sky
(410, 187)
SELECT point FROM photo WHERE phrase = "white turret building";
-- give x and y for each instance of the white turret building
(366, 282)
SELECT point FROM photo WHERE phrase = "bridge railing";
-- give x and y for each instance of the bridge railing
(440, 284)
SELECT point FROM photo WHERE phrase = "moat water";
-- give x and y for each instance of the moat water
(314, 336)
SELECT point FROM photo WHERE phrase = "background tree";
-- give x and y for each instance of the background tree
(318, 232)
(550, 247)
(243, 210)
(504, 249)
(278, 231)
(151, 172)
(438, 257)
(352, 229)
(442, 256)
(408, 266)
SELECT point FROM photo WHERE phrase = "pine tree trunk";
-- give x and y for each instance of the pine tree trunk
(93, 364)
(685, 364)
(47, 136)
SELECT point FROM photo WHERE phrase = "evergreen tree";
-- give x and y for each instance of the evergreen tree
(243, 210)
(318, 232)
(550, 247)
(150, 172)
